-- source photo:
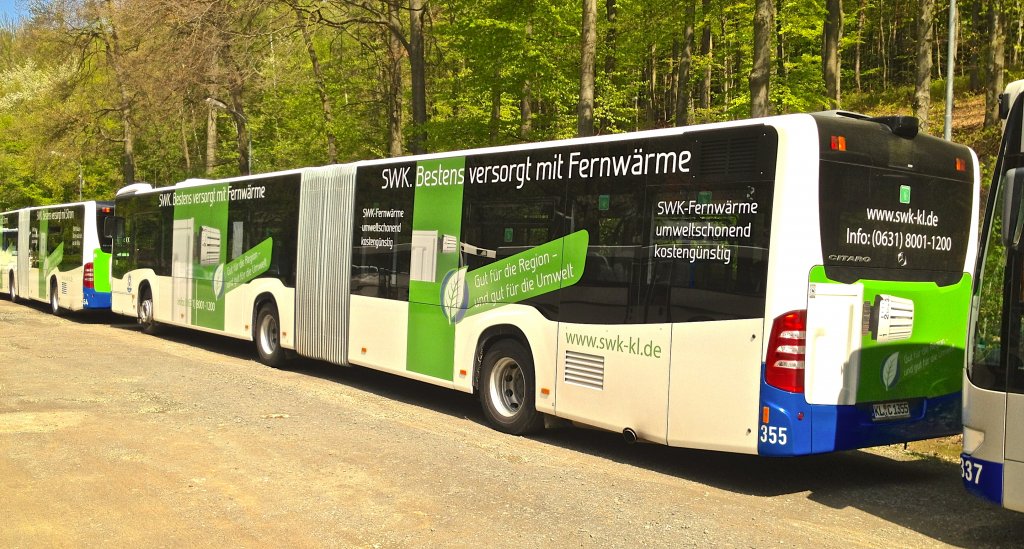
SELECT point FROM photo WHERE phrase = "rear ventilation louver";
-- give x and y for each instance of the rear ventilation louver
(729, 157)
(584, 369)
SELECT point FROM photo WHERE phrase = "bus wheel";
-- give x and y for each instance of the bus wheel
(145, 313)
(507, 391)
(268, 336)
(12, 290)
(54, 302)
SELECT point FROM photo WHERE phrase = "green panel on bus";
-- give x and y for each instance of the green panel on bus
(928, 362)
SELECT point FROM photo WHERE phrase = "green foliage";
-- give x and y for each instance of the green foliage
(69, 94)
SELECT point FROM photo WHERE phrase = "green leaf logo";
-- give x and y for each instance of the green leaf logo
(454, 295)
(891, 371)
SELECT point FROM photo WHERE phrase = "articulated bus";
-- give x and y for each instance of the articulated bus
(992, 463)
(56, 255)
(781, 286)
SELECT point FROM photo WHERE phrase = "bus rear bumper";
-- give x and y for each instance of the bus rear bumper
(815, 428)
(91, 299)
(982, 478)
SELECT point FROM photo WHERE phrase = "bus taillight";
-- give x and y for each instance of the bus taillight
(88, 277)
(784, 367)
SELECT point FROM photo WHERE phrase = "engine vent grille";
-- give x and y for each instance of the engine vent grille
(584, 369)
(735, 156)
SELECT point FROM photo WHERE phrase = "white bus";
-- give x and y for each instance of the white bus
(992, 463)
(55, 254)
(781, 286)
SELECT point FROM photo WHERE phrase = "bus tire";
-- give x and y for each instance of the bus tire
(267, 336)
(54, 299)
(507, 389)
(12, 289)
(145, 313)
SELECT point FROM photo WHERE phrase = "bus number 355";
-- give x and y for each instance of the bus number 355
(773, 435)
(970, 471)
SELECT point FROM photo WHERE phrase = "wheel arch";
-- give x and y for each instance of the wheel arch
(145, 287)
(262, 299)
(488, 338)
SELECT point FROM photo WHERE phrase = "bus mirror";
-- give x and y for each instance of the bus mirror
(1004, 106)
(113, 227)
(1013, 187)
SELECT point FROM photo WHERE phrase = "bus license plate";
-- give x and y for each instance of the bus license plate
(890, 410)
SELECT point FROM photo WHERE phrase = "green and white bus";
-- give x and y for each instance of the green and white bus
(782, 286)
(56, 255)
(992, 463)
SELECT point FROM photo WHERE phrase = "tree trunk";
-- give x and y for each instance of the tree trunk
(759, 73)
(114, 56)
(883, 48)
(242, 139)
(996, 62)
(923, 80)
(832, 33)
(612, 14)
(128, 159)
(1020, 33)
(705, 53)
(780, 46)
(393, 100)
(685, 60)
(588, 50)
(651, 87)
(525, 109)
(184, 144)
(975, 69)
(321, 87)
(417, 77)
(211, 139)
(861, 17)
(495, 124)
(525, 113)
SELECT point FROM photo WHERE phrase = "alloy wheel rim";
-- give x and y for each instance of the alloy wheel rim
(508, 387)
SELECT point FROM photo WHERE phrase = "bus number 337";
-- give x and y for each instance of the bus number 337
(970, 471)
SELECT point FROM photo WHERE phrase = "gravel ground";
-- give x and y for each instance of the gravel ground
(109, 437)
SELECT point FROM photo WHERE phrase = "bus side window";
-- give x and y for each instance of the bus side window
(1015, 356)
(147, 241)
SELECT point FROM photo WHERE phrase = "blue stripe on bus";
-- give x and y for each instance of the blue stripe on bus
(95, 300)
(829, 428)
(985, 478)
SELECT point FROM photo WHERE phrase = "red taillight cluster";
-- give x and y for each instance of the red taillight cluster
(784, 366)
(88, 278)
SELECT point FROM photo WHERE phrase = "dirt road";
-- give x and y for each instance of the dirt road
(109, 437)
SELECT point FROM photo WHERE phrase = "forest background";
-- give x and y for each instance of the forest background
(95, 94)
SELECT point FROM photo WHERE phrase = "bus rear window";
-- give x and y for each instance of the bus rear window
(887, 224)
(106, 244)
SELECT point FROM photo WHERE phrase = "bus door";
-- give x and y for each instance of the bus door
(24, 253)
(1014, 423)
(997, 363)
(181, 270)
(1011, 350)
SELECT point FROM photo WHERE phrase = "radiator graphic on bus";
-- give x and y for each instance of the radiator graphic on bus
(905, 346)
(202, 272)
